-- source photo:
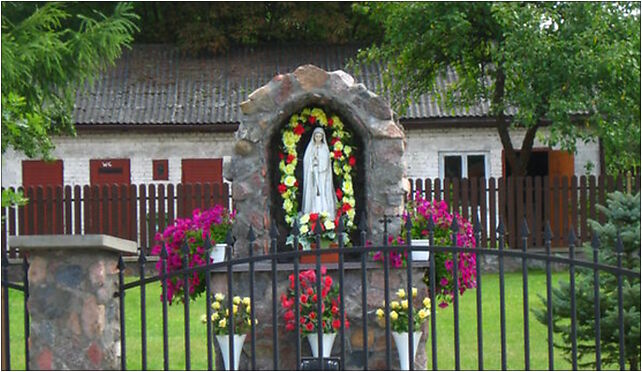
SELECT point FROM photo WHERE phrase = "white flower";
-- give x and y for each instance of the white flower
(351, 213)
(347, 186)
(304, 229)
(289, 181)
(289, 169)
(347, 149)
(328, 224)
(287, 205)
(304, 219)
(346, 168)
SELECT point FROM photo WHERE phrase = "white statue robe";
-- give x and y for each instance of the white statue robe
(318, 191)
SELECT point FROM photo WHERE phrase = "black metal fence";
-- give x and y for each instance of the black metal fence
(363, 251)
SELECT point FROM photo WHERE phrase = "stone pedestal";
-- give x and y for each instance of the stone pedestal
(75, 322)
(353, 309)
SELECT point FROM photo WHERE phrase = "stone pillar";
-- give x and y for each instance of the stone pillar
(75, 320)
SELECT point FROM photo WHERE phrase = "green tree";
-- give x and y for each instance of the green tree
(47, 53)
(623, 218)
(574, 67)
(210, 28)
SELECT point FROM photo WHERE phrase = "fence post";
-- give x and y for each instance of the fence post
(75, 318)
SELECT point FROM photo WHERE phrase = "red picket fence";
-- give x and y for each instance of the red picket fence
(127, 211)
(563, 202)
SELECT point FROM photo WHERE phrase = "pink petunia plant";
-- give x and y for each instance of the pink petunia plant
(194, 232)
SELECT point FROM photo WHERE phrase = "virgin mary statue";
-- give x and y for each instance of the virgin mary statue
(318, 191)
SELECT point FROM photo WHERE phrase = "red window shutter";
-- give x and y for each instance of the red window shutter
(109, 171)
(202, 170)
(39, 172)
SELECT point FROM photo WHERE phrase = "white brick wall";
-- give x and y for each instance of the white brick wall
(422, 152)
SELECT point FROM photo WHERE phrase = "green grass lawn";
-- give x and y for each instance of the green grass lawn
(445, 337)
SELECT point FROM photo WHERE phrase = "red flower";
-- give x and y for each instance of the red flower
(281, 155)
(334, 140)
(323, 324)
(312, 119)
(335, 310)
(346, 207)
(310, 292)
(314, 216)
(296, 183)
(290, 158)
(352, 161)
(330, 122)
(304, 299)
(302, 320)
(298, 130)
(347, 324)
(309, 326)
(289, 326)
(324, 270)
(337, 154)
(336, 324)
(282, 188)
(339, 193)
(313, 315)
(289, 315)
(328, 281)
(314, 298)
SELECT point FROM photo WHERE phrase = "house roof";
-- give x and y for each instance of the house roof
(157, 84)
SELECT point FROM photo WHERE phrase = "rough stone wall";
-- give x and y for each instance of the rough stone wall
(269, 107)
(74, 315)
(353, 310)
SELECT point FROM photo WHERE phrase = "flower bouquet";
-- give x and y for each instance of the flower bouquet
(419, 211)
(399, 319)
(194, 232)
(307, 300)
(307, 226)
(241, 320)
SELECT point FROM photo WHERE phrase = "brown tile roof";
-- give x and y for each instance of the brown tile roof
(156, 84)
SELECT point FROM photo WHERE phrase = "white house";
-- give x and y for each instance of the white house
(160, 116)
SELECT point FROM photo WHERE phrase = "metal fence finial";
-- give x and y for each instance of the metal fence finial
(477, 228)
(340, 225)
(548, 233)
(251, 237)
(454, 226)
(295, 228)
(572, 238)
(317, 227)
(524, 228)
(363, 224)
(431, 224)
(595, 241)
(500, 228)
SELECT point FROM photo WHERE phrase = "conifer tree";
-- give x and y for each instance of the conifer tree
(622, 220)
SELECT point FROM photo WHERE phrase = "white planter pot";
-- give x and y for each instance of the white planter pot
(401, 340)
(218, 253)
(224, 344)
(328, 341)
(420, 255)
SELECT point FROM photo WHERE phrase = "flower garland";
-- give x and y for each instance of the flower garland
(343, 163)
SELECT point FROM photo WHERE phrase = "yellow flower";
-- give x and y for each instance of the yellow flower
(289, 139)
(427, 303)
(401, 293)
(394, 315)
(248, 308)
(222, 323)
(216, 305)
(256, 321)
(304, 229)
(236, 300)
(204, 318)
(394, 305)
(380, 313)
(404, 304)
(249, 321)
(346, 168)
(235, 309)
(351, 213)
(289, 181)
(294, 120)
(214, 316)
(247, 301)
(347, 186)
(347, 149)
(287, 205)
(337, 168)
(414, 292)
(219, 297)
(289, 169)
(338, 146)
(423, 314)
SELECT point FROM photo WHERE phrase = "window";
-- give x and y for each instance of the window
(43, 173)
(202, 170)
(160, 170)
(463, 165)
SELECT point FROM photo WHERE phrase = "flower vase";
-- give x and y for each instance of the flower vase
(325, 257)
(328, 341)
(401, 340)
(420, 255)
(218, 253)
(224, 344)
